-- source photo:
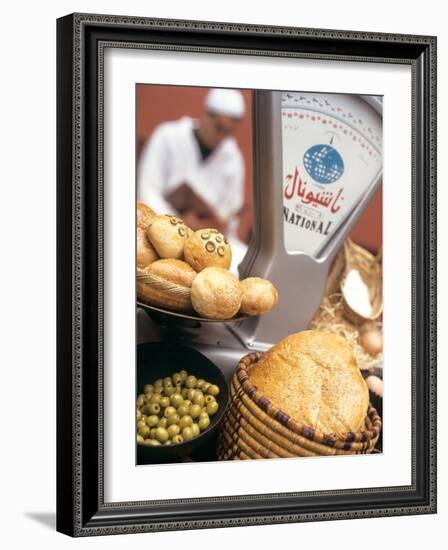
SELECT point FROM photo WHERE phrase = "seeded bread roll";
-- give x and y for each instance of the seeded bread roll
(144, 215)
(166, 284)
(216, 293)
(167, 234)
(259, 296)
(207, 248)
(145, 251)
(313, 377)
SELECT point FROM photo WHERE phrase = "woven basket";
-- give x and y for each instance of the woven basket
(254, 428)
(370, 270)
(155, 291)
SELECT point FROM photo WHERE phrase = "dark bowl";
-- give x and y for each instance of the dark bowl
(160, 359)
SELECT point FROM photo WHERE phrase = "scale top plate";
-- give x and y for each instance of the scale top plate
(177, 315)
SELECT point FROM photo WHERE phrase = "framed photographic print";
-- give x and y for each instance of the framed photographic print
(246, 274)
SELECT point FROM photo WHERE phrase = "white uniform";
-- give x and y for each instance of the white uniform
(172, 156)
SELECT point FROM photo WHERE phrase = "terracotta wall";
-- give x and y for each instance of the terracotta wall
(156, 104)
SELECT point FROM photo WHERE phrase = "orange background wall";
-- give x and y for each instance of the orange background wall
(156, 104)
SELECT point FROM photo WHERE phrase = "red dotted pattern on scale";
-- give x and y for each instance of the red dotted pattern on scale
(331, 123)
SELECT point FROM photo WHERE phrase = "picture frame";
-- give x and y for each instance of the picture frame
(81, 507)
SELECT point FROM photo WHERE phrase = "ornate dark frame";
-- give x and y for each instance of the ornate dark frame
(81, 39)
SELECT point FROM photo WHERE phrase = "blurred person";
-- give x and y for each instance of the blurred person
(194, 168)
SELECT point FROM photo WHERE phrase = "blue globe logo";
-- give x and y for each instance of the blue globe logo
(323, 163)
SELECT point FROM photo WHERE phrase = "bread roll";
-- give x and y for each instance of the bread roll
(207, 248)
(167, 234)
(313, 377)
(144, 215)
(166, 284)
(216, 293)
(145, 251)
(259, 296)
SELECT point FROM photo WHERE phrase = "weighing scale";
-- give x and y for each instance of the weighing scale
(317, 161)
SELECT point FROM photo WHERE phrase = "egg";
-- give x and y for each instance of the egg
(372, 341)
(375, 385)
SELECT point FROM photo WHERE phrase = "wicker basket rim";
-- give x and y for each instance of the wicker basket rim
(298, 427)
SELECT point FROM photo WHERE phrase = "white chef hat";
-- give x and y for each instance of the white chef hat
(226, 102)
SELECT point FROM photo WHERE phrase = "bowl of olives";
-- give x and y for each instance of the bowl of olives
(181, 397)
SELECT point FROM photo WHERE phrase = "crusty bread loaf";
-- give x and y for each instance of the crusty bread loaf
(175, 271)
(166, 284)
(259, 296)
(207, 248)
(216, 293)
(145, 251)
(314, 378)
(144, 215)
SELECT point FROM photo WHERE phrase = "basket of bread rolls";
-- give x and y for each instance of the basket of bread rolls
(304, 397)
(185, 271)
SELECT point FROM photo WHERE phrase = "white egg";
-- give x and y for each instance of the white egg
(375, 385)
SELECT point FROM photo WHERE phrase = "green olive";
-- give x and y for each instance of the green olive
(203, 413)
(173, 430)
(213, 390)
(161, 435)
(194, 410)
(173, 419)
(209, 399)
(199, 383)
(187, 402)
(177, 439)
(177, 378)
(164, 402)
(184, 375)
(152, 442)
(158, 382)
(185, 421)
(191, 393)
(203, 422)
(184, 392)
(169, 411)
(183, 409)
(140, 438)
(187, 433)
(153, 408)
(190, 382)
(158, 389)
(178, 388)
(168, 442)
(163, 423)
(156, 398)
(141, 400)
(152, 420)
(139, 414)
(176, 400)
(148, 396)
(205, 387)
(140, 424)
(152, 433)
(169, 390)
(144, 431)
(196, 430)
(148, 388)
(198, 398)
(167, 381)
(212, 407)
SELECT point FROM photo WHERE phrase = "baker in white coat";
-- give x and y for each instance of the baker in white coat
(194, 168)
